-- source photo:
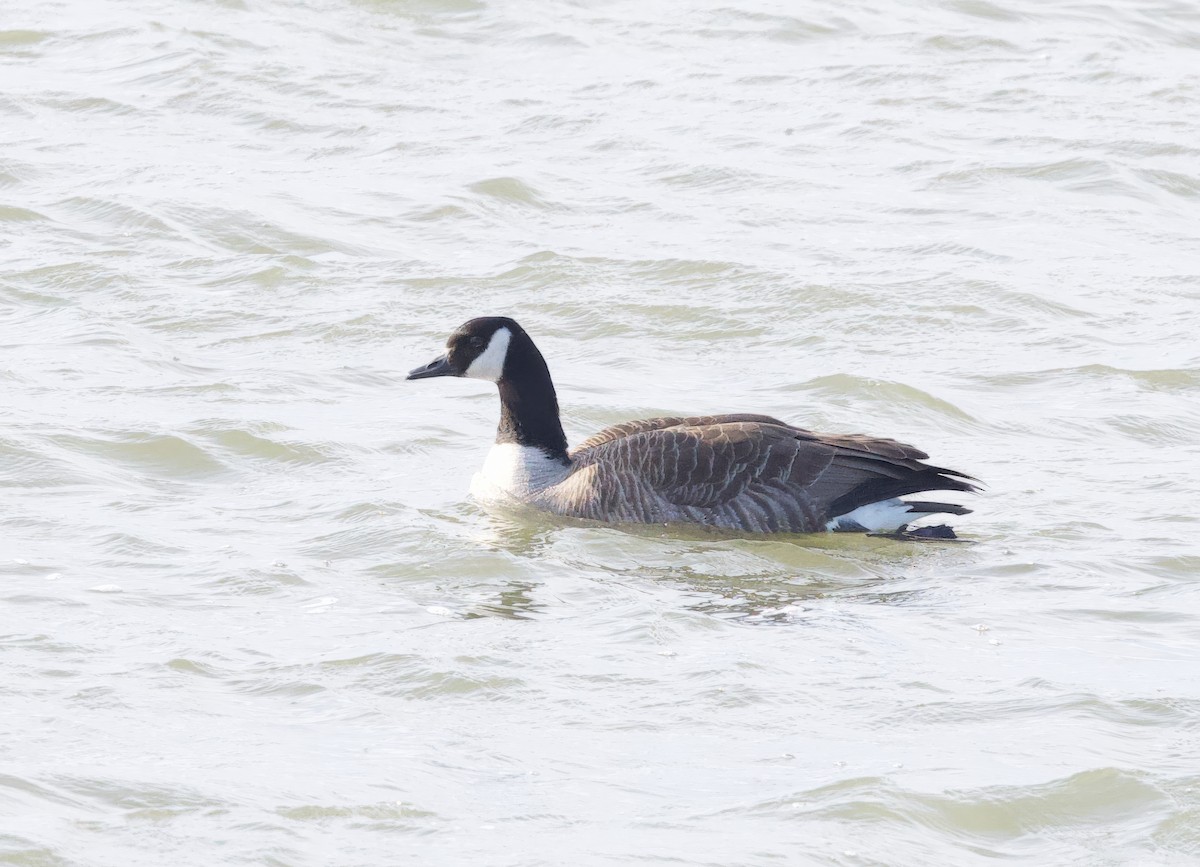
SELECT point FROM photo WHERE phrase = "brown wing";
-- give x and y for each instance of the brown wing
(879, 446)
(747, 471)
(744, 475)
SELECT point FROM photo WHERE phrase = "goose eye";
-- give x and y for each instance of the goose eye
(477, 342)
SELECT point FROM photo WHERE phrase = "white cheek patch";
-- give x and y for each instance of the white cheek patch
(489, 364)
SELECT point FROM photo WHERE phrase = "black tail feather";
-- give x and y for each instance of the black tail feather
(938, 508)
(885, 488)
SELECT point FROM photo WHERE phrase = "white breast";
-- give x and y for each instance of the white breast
(513, 471)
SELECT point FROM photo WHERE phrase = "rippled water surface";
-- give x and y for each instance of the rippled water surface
(249, 616)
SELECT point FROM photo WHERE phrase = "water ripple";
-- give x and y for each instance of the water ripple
(251, 602)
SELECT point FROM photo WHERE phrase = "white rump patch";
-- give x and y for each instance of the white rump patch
(489, 364)
(886, 516)
(514, 471)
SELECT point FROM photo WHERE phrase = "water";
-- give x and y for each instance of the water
(248, 616)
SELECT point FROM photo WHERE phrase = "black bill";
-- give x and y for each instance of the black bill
(440, 366)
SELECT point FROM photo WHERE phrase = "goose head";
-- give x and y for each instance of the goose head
(483, 348)
(497, 349)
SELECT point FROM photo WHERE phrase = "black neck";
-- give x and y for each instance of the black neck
(528, 403)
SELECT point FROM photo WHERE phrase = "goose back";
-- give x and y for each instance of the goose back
(738, 471)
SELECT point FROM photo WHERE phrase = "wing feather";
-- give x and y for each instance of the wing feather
(627, 428)
(745, 470)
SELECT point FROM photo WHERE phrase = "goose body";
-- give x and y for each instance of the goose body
(738, 471)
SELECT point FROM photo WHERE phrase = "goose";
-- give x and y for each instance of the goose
(738, 471)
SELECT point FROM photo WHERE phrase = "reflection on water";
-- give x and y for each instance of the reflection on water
(734, 576)
(514, 601)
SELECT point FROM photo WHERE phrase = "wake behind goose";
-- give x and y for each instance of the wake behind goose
(736, 471)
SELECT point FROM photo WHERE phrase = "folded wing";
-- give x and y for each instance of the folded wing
(740, 471)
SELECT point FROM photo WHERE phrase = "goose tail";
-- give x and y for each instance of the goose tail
(895, 516)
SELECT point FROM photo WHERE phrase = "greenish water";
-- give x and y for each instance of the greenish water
(249, 616)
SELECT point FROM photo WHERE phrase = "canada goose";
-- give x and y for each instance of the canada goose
(739, 471)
